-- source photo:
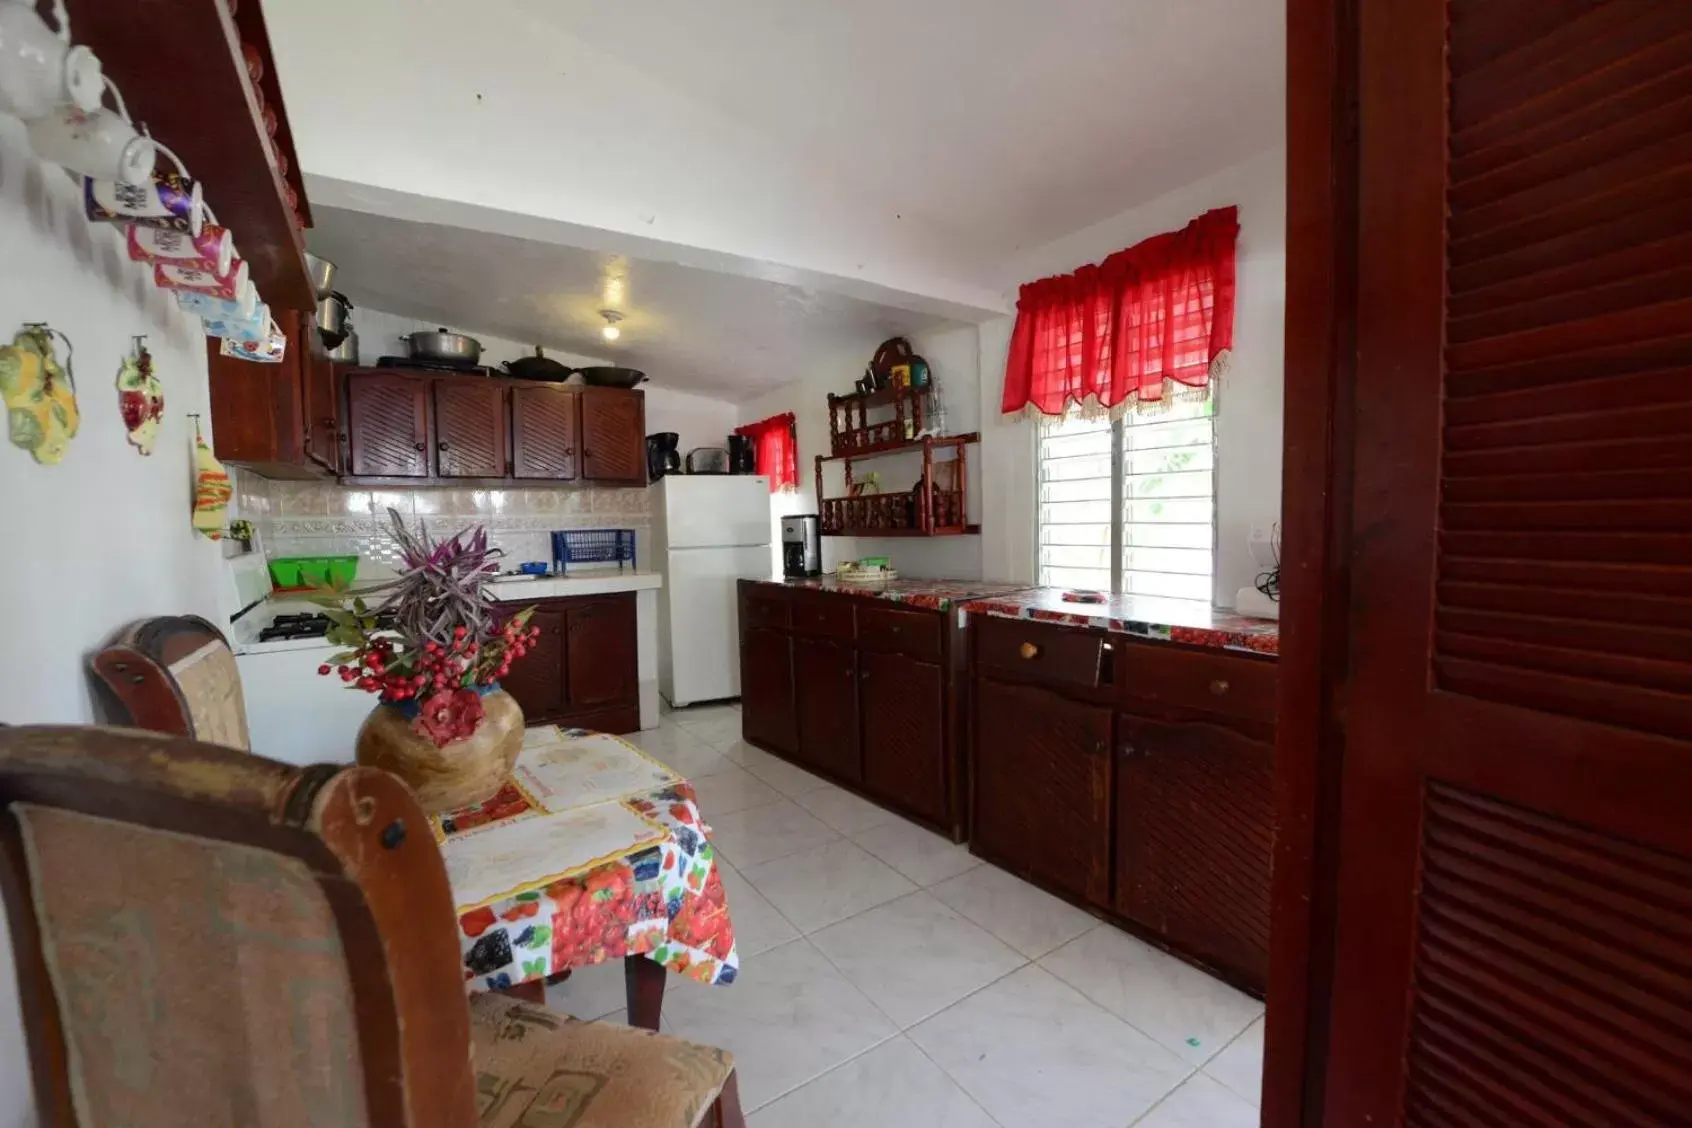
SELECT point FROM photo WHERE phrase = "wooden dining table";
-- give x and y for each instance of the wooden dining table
(592, 851)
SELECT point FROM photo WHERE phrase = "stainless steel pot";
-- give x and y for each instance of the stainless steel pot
(321, 272)
(332, 318)
(347, 351)
(441, 344)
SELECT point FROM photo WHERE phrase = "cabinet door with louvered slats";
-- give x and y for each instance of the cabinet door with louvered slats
(1514, 923)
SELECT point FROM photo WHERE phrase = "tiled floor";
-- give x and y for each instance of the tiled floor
(889, 978)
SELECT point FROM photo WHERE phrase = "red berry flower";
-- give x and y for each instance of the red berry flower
(449, 715)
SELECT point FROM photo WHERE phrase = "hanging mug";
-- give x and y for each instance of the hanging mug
(220, 309)
(94, 143)
(212, 249)
(170, 276)
(165, 199)
(248, 329)
(39, 69)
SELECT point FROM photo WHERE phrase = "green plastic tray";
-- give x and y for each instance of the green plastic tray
(293, 572)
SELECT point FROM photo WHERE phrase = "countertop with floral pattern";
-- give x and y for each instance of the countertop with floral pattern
(932, 595)
(1168, 620)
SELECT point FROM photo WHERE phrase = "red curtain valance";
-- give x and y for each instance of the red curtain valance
(1144, 324)
(777, 450)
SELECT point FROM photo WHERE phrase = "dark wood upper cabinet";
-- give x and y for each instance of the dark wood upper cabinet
(544, 428)
(1194, 832)
(1042, 787)
(613, 434)
(766, 688)
(321, 405)
(259, 412)
(388, 425)
(826, 676)
(470, 429)
(536, 680)
(903, 710)
(603, 665)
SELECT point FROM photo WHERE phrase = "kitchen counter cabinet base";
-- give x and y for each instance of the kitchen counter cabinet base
(583, 671)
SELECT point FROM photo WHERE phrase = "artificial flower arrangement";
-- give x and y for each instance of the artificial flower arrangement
(446, 645)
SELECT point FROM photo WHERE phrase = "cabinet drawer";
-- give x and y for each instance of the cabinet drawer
(826, 616)
(1039, 651)
(915, 634)
(766, 611)
(1217, 683)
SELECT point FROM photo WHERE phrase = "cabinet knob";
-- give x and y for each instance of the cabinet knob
(1029, 650)
(569, 452)
(418, 447)
(587, 453)
(1219, 687)
(441, 445)
(1127, 750)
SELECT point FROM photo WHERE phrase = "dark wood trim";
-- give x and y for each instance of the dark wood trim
(1320, 367)
(643, 984)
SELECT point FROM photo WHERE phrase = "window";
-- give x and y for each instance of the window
(1129, 506)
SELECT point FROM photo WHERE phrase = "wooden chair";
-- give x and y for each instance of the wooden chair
(175, 674)
(206, 937)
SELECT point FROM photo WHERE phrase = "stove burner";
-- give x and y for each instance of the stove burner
(434, 365)
(308, 626)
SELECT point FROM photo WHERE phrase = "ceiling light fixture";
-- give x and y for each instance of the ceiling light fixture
(610, 332)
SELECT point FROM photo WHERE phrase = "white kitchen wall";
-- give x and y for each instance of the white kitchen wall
(102, 538)
(699, 420)
(951, 353)
(1248, 414)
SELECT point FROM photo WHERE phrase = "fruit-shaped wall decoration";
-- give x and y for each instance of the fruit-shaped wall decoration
(41, 411)
(140, 399)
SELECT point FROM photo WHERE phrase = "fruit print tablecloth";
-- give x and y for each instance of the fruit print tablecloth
(665, 902)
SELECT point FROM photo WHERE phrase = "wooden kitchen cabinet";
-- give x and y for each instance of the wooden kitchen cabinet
(613, 435)
(902, 703)
(1194, 834)
(321, 405)
(826, 678)
(1042, 787)
(767, 709)
(536, 680)
(270, 418)
(584, 670)
(388, 425)
(544, 428)
(471, 428)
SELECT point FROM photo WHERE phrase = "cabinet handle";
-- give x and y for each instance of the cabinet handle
(418, 447)
(441, 445)
(1029, 651)
(587, 453)
(569, 452)
(1219, 686)
(1127, 749)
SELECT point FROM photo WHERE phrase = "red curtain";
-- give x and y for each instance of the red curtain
(1144, 323)
(777, 450)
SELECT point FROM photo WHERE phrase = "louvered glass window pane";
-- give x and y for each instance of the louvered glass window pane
(1075, 502)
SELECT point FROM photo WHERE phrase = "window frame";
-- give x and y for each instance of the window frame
(1118, 497)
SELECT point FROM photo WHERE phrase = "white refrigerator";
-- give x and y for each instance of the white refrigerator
(708, 531)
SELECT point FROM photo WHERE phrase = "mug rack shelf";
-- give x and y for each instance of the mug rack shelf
(935, 507)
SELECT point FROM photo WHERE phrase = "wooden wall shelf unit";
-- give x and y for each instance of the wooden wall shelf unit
(937, 508)
(850, 430)
(182, 71)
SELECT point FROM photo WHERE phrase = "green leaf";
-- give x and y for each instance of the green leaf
(531, 895)
(661, 953)
(358, 604)
(342, 657)
(534, 969)
(541, 938)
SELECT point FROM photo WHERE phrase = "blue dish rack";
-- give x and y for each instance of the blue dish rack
(593, 546)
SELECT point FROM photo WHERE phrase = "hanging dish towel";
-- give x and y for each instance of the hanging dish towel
(211, 490)
(42, 415)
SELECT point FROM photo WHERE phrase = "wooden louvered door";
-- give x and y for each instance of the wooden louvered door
(470, 429)
(613, 435)
(387, 425)
(1514, 890)
(543, 433)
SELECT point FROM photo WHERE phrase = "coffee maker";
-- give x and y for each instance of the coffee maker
(743, 457)
(662, 457)
(801, 546)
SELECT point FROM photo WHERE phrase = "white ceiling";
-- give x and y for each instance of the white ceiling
(1006, 123)
(717, 334)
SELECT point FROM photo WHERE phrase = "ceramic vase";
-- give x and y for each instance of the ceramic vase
(459, 774)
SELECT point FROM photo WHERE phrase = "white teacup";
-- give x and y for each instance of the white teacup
(248, 329)
(39, 68)
(96, 143)
(238, 308)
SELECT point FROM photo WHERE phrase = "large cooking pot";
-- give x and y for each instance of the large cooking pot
(321, 272)
(442, 345)
(332, 319)
(538, 367)
(605, 376)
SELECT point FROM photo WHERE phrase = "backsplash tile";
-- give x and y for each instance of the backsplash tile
(322, 519)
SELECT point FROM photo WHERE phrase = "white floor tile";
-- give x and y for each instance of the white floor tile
(914, 957)
(730, 790)
(1028, 919)
(1240, 1066)
(772, 830)
(1201, 1103)
(719, 732)
(892, 1086)
(681, 751)
(786, 778)
(758, 926)
(787, 1018)
(819, 886)
(924, 857)
(736, 751)
(845, 812)
(693, 716)
(1034, 1053)
(1186, 1010)
(592, 992)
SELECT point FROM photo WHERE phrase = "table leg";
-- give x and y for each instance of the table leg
(644, 980)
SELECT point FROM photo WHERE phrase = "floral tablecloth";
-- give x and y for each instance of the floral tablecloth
(665, 902)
